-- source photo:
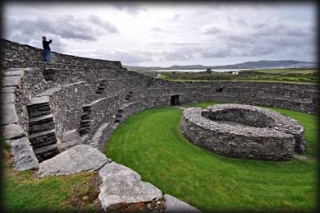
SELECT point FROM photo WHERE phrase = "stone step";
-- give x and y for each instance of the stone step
(120, 110)
(12, 131)
(42, 100)
(44, 142)
(86, 109)
(42, 134)
(7, 98)
(84, 130)
(11, 81)
(46, 152)
(101, 88)
(9, 114)
(85, 116)
(118, 115)
(85, 124)
(41, 127)
(43, 107)
(99, 92)
(13, 72)
(41, 119)
(8, 90)
(46, 149)
(35, 114)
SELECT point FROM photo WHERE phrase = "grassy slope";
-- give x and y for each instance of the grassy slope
(24, 191)
(151, 144)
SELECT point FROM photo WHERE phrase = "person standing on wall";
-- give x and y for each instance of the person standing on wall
(46, 49)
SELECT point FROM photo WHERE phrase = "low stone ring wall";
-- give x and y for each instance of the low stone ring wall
(243, 131)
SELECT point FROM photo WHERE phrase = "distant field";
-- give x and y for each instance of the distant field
(269, 75)
(289, 71)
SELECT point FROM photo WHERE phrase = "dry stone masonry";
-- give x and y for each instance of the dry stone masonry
(54, 110)
(243, 131)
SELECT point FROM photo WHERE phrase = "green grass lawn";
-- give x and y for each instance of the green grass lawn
(25, 192)
(151, 143)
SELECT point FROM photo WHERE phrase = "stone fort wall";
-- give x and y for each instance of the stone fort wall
(92, 96)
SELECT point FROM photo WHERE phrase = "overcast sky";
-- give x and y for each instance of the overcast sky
(165, 34)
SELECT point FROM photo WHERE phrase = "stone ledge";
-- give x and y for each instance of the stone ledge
(9, 114)
(39, 100)
(12, 131)
(76, 159)
(24, 157)
(122, 184)
(10, 81)
(8, 98)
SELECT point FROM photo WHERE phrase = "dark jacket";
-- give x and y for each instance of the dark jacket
(45, 44)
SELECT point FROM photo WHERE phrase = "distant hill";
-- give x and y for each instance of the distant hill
(268, 64)
(245, 65)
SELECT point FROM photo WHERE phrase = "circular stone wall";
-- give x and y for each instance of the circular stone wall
(243, 131)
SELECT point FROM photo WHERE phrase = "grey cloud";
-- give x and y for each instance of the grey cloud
(130, 8)
(177, 56)
(128, 57)
(214, 30)
(238, 21)
(104, 24)
(67, 27)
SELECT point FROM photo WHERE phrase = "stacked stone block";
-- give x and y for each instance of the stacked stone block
(86, 121)
(42, 134)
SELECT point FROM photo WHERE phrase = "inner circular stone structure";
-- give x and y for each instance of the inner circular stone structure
(243, 131)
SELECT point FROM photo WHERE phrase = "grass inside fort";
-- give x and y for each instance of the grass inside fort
(151, 143)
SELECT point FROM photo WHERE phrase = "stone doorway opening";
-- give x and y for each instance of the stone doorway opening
(175, 100)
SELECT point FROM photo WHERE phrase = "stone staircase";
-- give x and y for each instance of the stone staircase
(85, 122)
(42, 133)
(128, 96)
(119, 115)
(101, 87)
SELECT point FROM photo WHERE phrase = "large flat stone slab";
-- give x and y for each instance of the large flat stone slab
(8, 89)
(13, 72)
(9, 81)
(7, 98)
(175, 205)
(9, 114)
(121, 184)
(24, 157)
(12, 131)
(39, 100)
(76, 159)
